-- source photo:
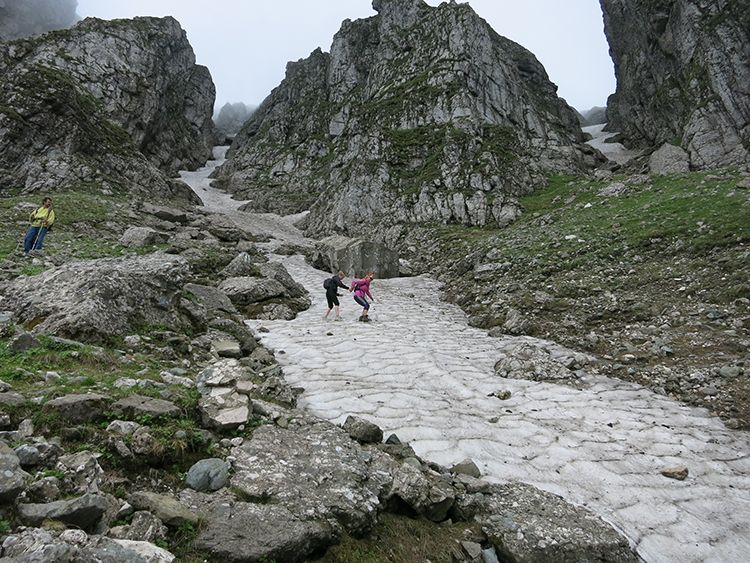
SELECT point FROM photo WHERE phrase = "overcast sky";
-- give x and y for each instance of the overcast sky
(247, 43)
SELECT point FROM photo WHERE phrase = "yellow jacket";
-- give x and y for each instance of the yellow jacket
(42, 217)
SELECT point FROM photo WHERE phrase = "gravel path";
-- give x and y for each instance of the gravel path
(420, 371)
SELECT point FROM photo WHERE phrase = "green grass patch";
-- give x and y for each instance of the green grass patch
(568, 225)
(5, 526)
(84, 220)
(403, 539)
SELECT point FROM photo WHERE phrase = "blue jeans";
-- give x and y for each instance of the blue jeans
(362, 301)
(34, 237)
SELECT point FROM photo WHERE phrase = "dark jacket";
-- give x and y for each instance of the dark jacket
(334, 286)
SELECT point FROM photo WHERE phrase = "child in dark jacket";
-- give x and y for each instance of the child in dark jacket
(332, 294)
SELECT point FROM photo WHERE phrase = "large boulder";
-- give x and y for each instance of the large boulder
(527, 524)
(261, 532)
(84, 512)
(356, 257)
(682, 76)
(12, 478)
(92, 299)
(283, 466)
(669, 159)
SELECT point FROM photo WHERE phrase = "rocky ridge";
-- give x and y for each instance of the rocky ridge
(682, 77)
(102, 103)
(417, 114)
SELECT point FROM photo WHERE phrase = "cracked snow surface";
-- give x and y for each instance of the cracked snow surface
(418, 370)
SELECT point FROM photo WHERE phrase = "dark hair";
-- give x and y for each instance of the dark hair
(46, 199)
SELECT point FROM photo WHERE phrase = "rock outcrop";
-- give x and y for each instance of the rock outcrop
(355, 257)
(682, 76)
(101, 297)
(418, 114)
(32, 17)
(108, 102)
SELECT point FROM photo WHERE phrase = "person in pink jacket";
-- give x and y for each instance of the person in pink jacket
(361, 289)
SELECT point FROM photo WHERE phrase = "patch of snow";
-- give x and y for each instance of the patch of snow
(613, 151)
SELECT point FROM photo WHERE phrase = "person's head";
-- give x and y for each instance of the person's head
(370, 275)
(47, 202)
(342, 275)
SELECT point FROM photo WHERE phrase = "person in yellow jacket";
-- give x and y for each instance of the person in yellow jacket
(41, 221)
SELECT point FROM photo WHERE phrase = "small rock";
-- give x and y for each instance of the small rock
(467, 467)
(472, 550)
(362, 430)
(208, 475)
(23, 342)
(730, 372)
(680, 473)
(227, 348)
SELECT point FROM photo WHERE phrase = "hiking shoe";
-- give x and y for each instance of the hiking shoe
(337, 318)
(365, 319)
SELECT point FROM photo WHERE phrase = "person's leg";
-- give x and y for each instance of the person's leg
(40, 238)
(330, 305)
(28, 241)
(362, 303)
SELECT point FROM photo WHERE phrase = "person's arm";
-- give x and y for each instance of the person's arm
(50, 217)
(340, 283)
(367, 291)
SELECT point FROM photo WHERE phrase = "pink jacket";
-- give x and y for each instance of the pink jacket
(362, 288)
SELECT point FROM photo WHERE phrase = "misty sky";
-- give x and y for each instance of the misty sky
(247, 43)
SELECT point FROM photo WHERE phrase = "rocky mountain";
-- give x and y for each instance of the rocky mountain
(417, 114)
(32, 17)
(682, 76)
(110, 102)
(594, 116)
(232, 117)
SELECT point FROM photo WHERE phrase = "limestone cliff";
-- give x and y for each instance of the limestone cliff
(682, 76)
(417, 114)
(112, 102)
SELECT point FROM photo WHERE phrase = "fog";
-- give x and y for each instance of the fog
(21, 18)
